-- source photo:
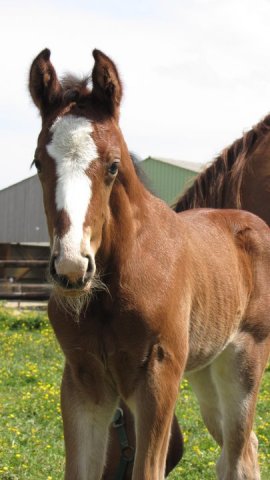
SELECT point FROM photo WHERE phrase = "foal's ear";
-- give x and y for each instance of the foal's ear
(44, 86)
(107, 87)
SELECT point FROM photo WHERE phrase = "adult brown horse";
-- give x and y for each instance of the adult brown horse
(143, 295)
(238, 178)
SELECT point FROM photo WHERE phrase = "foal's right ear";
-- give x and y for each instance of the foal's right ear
(44, 86)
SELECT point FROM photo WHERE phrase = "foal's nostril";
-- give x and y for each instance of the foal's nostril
(90, 266)
(52, 266)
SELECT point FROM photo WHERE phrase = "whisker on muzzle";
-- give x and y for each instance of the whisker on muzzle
(75, 301)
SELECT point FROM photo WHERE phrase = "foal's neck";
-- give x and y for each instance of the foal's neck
(129, 207)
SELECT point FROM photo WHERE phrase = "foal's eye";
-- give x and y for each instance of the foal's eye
(113, 168)
(37, 164)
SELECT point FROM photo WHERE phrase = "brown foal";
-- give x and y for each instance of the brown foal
(143, 295)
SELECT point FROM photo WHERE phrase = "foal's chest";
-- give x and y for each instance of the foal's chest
(101, 349)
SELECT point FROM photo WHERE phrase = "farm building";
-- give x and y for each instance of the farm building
(24, 241)
(168, 178)
(22, 216)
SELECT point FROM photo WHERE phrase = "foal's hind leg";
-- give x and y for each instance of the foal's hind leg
(237, 374)
(207, 395)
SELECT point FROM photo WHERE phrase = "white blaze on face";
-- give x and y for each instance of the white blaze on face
(73, 149)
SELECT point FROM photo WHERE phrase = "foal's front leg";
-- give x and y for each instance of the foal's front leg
(153, 406)
(85, 429)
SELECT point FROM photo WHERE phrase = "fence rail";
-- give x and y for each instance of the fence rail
(24, 263)
(31, 296)
(23, 272)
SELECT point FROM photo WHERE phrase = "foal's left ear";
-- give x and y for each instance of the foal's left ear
(107, 87)
(44, 86)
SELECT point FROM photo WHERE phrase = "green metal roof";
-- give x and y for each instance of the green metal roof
(168, 179)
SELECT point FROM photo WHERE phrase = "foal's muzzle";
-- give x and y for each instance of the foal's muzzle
(72, 275)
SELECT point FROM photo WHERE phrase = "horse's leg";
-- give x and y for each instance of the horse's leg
(207, 395)
(85, 430)
(164, 452)
(237, 374)
(152, 431)
(153, 407)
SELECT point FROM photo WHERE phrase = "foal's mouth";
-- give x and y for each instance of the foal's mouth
(72, 290)
(65, 287)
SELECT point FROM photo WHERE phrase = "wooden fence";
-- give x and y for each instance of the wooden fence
(14, 287)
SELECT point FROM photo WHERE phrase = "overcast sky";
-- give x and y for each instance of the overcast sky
(196, 73)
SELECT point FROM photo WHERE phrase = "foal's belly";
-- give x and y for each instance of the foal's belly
(199, 359)
(207, 342)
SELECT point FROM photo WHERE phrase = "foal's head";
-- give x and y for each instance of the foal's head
(79, 153)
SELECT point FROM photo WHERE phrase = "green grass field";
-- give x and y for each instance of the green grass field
(31, 440)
